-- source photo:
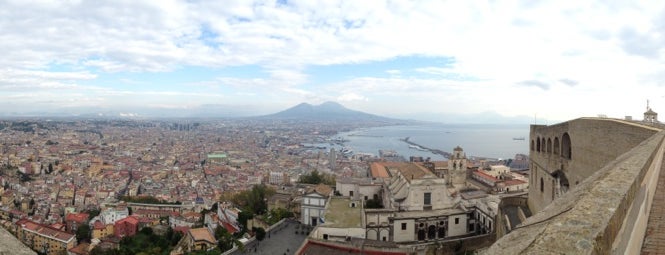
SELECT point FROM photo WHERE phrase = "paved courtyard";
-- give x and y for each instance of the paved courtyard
(281, 240)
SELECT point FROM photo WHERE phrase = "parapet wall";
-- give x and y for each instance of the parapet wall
(606, 213)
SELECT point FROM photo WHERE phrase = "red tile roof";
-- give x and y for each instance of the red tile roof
(130, 220)
(77, 217)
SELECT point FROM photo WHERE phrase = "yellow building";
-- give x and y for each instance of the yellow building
(44, 239)
(199, 239)
(99, 230)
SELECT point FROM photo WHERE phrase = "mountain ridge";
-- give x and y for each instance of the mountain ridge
(327, 111)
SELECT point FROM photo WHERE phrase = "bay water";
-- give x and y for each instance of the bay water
(477, 140)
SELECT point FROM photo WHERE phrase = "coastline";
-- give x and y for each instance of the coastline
(490, 141)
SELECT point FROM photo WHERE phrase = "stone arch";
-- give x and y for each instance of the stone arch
(549, 145)
(566, 150)
(556, 146)
(563, 179)
(538, 144)
(383, 233)
(442, 230)
(532, 145)
(543, 144)
(372, 234)
(431, 232)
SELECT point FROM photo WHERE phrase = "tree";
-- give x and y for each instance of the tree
(93, 213)
(225, 240)
(260, 233)
(83, 233)
(254, 200)
(243, 217)
(315, 177)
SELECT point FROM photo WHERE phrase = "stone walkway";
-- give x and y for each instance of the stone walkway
(654, 238)
(282, 240)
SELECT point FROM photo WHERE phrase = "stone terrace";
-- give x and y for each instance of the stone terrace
(654, 238)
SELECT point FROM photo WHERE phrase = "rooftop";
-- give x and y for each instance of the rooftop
(412, 171)
(341, 215)
(202, 234)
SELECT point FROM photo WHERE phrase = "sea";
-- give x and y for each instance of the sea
(478, 140)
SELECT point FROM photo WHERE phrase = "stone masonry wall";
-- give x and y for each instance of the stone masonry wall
(593, 143)
(588, 219)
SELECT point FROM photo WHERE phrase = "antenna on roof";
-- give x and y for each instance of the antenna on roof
(648, 105)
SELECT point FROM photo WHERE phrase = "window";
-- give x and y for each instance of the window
(351, 193)
(365, 198)
(428, 198)
(403, 226)
(566, 150)
(542, 186)
(456, 220)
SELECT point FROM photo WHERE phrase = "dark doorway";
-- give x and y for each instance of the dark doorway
(421, 235)
(431, 232)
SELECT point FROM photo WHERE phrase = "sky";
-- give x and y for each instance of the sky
(555, 60)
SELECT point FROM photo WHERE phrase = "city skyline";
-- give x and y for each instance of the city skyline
(551, 60)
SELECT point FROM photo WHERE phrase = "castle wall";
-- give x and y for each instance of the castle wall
(577, 149)
(605, 214)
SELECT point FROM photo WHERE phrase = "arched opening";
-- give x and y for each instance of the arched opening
(566, 150)
(556, 146)
(542, 185)
(549, 145)
(564, 184)
(421, 235)
(538, 144)
(431, 232)
(532, 145)
(544, 144)
(383, 233)
(372, 234)
(442, 231)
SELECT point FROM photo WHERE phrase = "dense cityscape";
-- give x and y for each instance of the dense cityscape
(171, 175)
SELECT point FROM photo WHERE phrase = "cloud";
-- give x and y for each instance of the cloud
(394, 72)
(351, 97)
(569, 82)
(20, 79)
(73, 47)
(535, 83)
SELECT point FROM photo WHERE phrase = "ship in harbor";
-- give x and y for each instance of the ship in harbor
(347, 151)
(519, 138)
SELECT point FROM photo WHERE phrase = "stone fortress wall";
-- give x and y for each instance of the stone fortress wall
(574, 150)
(612, 168)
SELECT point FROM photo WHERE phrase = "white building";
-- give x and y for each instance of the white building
(313, 204)
(420, 209)
(359, 189)
(112, 214)
(277, 178)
